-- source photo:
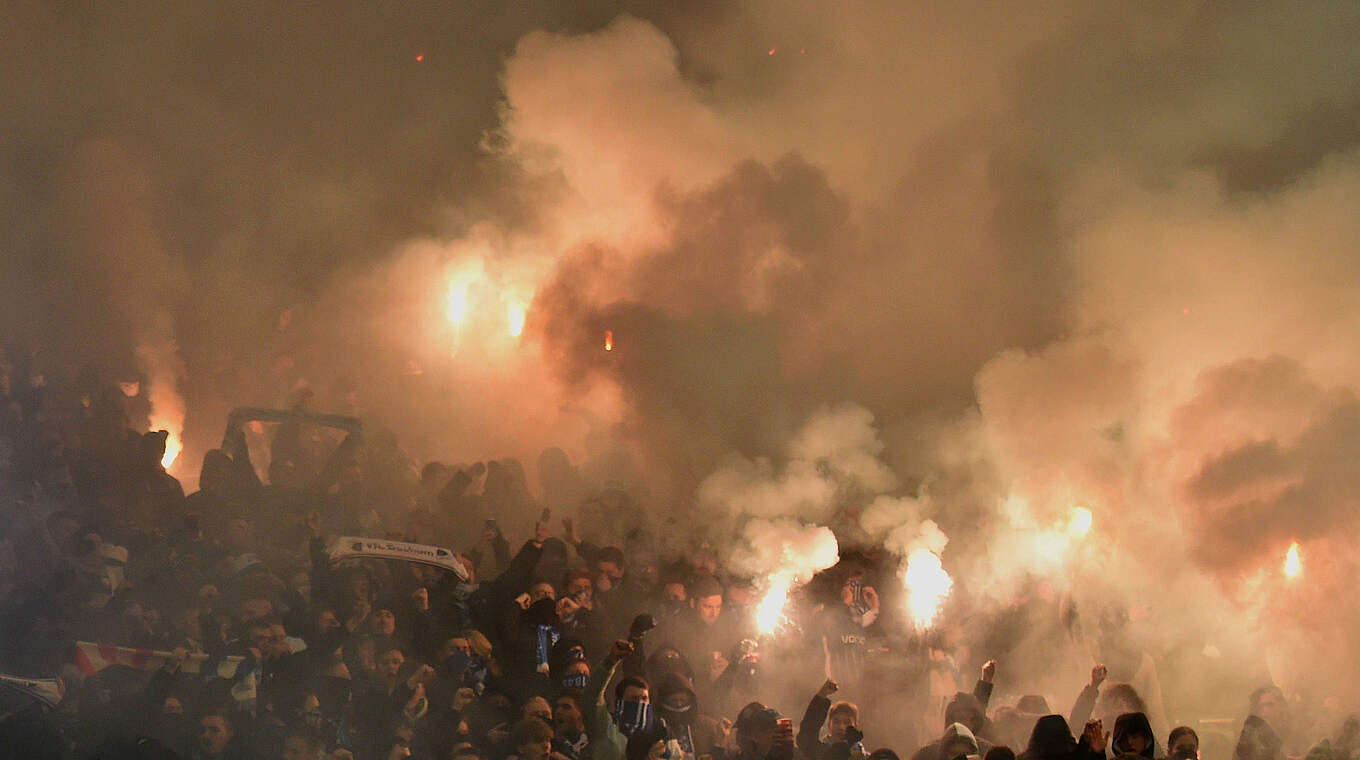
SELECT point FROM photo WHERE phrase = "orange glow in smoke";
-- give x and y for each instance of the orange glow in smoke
(1293, 563)
(420, 57)
(609, 340)
(772, 50)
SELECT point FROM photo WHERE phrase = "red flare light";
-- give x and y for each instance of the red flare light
(609, 340)
(772, 50)
(420, 57)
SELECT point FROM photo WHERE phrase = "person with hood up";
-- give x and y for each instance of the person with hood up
(1052, 740)
(957, 742)
(968, 710)
(696, 734)
(842, 721)
(1133, 735)
(761, 735)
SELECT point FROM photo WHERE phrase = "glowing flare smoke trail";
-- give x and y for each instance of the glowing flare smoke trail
(770, 610)
(927, 586)
(1293, 563)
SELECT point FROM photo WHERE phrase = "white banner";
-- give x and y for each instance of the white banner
(351, 547)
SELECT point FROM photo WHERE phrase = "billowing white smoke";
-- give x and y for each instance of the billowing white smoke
(834, 467)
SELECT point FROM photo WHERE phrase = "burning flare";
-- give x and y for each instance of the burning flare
(609, 340)
(770, 610)
(173, 446)
(457, 304)
(160, 359)
(1079, 522)
(515, 317)
(1293, 564)
(927, 586)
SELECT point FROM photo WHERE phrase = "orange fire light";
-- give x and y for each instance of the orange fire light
(1293, 564)
(609, 340)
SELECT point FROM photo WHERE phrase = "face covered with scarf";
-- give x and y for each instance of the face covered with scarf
(633, 709)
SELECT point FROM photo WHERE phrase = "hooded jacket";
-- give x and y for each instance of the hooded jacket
(964, 708)
(1130, 724)
(1052, 740)
(957, 733)
(696, 733)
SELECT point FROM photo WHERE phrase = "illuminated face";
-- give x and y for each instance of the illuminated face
(673, 592)
(327, 621)
(540, 591)
(636, 694)
(213, 734)
(1185, 746)
(538, 707)
(709, 608)
(385, 623)
(610, 570)
(580, 585)
(272, 641)
(454, 645)
(567, 717)
(389, 664)
(841, 721)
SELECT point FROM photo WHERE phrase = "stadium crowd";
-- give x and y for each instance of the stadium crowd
(139, 621)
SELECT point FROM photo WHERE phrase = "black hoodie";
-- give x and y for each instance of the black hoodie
(1052, 740)
(1130, 724)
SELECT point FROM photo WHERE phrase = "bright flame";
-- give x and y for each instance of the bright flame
(609, 340)
(173, 447)
(457, 305)
(1079, 522)
(515, 317)
(770, 611)
(160, 358)
(1293, 564)
(927, 586)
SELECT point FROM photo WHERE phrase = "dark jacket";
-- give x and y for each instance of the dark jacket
(696, 733)
(1130, 724)
(1258, 741)
(1053, 740)
(809, 740)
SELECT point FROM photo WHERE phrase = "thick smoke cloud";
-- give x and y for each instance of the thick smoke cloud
(1064, 256)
